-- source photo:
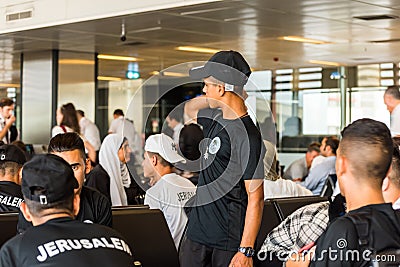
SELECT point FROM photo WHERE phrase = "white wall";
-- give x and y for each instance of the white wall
(79, 94)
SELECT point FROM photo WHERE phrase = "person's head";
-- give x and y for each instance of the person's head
(118, 113)
(71, 148)
(48, 186)
(224, 74)
(80, 114)
(313, 151)
(329, 145)
(391, 184)
(174, 118)
(11, 160)
(66, 115)
(124, 151)
(160, 155)
(7, 107)
(364, 156)
(391, 97)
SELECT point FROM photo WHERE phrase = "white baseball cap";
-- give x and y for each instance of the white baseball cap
(165, 146)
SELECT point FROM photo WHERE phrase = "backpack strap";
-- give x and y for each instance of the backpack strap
(362, 223)
(63, 128)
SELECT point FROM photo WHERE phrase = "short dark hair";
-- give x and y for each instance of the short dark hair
(69, 117)
(5, 102)
(176, 114)
(333, 142)
(394, 174)
(38, 209)
(189, 140)
(315, 146)
(393, 91)
(369, 147)
(118, 112)
(9, 168)
(80, 112)
(67, 142)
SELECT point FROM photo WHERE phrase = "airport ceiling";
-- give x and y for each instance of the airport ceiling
(253, 27)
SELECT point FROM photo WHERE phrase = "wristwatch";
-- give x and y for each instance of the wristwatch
(247, 251)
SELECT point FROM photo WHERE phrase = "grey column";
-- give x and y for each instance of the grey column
(39, 87)
(343, 96)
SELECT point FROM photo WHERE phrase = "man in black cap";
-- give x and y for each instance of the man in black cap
(57, 239)
(94, 206)
(11, 160)
(227, 210)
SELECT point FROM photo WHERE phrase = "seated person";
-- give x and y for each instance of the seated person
(56, 239)
(317, 176)
(298, 169)
(11, 160)
(360, 181)
(275, 186)
(169, 192)
(391, 183)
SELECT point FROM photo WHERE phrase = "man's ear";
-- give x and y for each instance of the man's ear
(154, 160)
(385, 184)
(25, 211)
(221, 89)
(341, 166)
(88, 165)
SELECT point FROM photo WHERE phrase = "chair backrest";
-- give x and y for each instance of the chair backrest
(8, 226)
(329, 186)
(269, 221)
(148, 235)
(288, 205)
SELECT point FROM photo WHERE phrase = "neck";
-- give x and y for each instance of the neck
(361, 196)
(10, 178)
(233, 107)
(41, 219)
(159, 173)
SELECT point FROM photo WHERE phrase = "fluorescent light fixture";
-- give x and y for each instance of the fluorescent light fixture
(108, 78)
(122, 58)
(203, 11)
(9, 85)
(76, 62)
(174, 74)
(197, 49)
(303, 40)
(154, 73)
(321, 62)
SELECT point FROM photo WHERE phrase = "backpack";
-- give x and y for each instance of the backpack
(385, 257)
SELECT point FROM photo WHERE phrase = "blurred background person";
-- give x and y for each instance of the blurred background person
(90, 132)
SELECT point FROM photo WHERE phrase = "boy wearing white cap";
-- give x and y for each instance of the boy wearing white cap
(169, 192)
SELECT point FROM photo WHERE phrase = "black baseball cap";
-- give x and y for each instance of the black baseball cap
(53, 174)
(226, 66)
(12, 153)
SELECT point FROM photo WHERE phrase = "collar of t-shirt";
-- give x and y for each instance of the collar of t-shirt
(396, 204)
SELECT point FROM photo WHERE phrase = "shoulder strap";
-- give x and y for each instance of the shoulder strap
(361, 221)
(63, 128)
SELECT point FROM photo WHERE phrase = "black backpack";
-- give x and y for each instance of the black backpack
(386, 257)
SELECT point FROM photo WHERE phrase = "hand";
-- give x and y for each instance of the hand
(240, 260)
(10, 120)
(298, 260)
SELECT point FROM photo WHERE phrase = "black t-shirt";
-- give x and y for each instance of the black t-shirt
(94, 208)
(233, 152)
(99, 179)
(10, 196)
(339, 245)
(66, 242)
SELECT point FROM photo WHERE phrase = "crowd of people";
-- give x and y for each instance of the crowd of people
(209, 178)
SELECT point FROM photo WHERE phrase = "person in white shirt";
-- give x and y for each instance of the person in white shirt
(89, 130)
(391, 184)
(125, 127)
(169, 192)
(174, 122)
(67, 121)
(275, 186)
(8, 132)
(391, 99)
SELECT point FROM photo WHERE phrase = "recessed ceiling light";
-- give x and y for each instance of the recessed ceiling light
(122, 58)
(321, 62)
(9, 85)
(302, 40)
(197, 49)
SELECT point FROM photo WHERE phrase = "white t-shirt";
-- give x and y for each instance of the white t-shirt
(57, 130)
(170, 195)
(395, 121)
(284, 188)
(177, 129)
(90, 131)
